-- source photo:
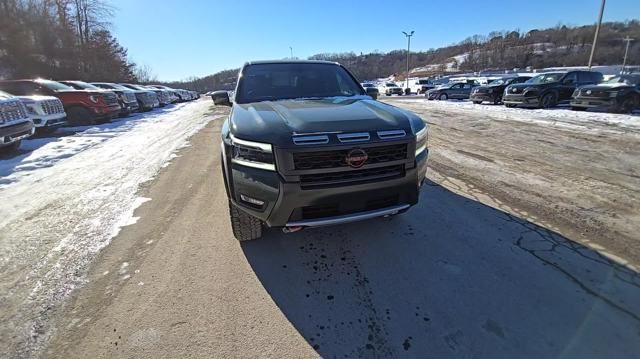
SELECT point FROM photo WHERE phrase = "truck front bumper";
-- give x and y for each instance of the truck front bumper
(288, 204)
(594, 102)
(522, 101)
(16, 132)
(49, 121)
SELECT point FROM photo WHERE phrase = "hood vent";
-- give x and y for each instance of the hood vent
(311, 140)
(391, 134)
(353, 137)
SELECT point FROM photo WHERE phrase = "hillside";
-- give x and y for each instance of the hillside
(558, 46)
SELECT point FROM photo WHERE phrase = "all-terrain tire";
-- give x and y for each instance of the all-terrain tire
(11, 148)
(548, 100)
(510, 105)
(245, 227)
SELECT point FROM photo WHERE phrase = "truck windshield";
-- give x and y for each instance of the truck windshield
(55, 86)
(272, 82)
(546, 78)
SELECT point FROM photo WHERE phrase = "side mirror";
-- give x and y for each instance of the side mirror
(221, 98)
(372, 91)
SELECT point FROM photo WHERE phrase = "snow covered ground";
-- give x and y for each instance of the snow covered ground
(64, 197)
(589, 121)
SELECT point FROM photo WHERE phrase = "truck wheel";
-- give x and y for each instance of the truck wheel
(574, 108)
(245, 227)
(549, 100)
(11, 148)
(477, 102)
(80, 115)
(627, 105)
(443, 97)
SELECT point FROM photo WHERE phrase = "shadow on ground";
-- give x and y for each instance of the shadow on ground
(450, 278)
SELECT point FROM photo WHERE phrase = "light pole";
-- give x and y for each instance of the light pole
(408, 52)
(291, 50)
(595, 37)
(626, 51)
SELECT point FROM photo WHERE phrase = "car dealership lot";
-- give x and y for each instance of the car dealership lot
(552, 272)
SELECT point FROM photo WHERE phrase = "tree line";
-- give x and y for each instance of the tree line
(62, 39)
(539, 48)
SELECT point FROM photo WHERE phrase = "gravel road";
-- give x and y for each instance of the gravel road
(453, 277)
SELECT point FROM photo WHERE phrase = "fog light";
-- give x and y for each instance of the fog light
(253, 201)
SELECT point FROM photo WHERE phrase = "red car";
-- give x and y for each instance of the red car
(81, 106)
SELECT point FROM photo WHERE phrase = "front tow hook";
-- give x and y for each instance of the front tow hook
(292, 229)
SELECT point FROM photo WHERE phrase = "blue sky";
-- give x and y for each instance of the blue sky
(186, 38)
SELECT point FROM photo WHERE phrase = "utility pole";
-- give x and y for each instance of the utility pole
(595, 37)
(626, 51)
(408, 52)
(291, 50)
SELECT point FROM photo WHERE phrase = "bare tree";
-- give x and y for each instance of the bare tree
(144, 74)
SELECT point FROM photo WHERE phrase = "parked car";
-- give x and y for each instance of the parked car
(618, 94)
(46, 112)
(151, 96)
(371, 90)
(455, 90)
(81, 106)
(390, 88)
(15, 124)
(176, 92)
(495, 89)
(420, 86)
(126, 98)
(146, 99)
(316, 157)
(164, 96)
(548, 89)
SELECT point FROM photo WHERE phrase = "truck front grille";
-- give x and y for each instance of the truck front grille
(110, 99)
(11, 111)
(52, 106)
(337, 158)
(345, 178)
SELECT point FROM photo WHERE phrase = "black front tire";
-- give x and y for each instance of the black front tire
(245, 227)
(11, 148)
(575, 108)
(548, 100)
(477, 102)
(627, 105)
(510, 105)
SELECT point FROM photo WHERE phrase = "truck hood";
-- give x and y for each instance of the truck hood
(276, 121)
(523, 86)
(605, 87)
(36, 98)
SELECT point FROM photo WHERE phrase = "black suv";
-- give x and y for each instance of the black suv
(493, 91)
(548, 89)
(619, 94)
(304, 146)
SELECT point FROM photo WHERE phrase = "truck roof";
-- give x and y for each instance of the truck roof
(291, 62)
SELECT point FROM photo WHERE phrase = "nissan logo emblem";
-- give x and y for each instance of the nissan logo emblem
(356, 158)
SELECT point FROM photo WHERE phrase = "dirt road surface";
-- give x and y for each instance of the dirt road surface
(453, 277)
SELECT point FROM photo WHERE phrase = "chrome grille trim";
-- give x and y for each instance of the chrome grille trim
(310, 140)
(353, 137)
(391, 134)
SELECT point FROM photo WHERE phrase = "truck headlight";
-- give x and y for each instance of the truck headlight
(94, 98)
(252, 154)
(422, 139)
